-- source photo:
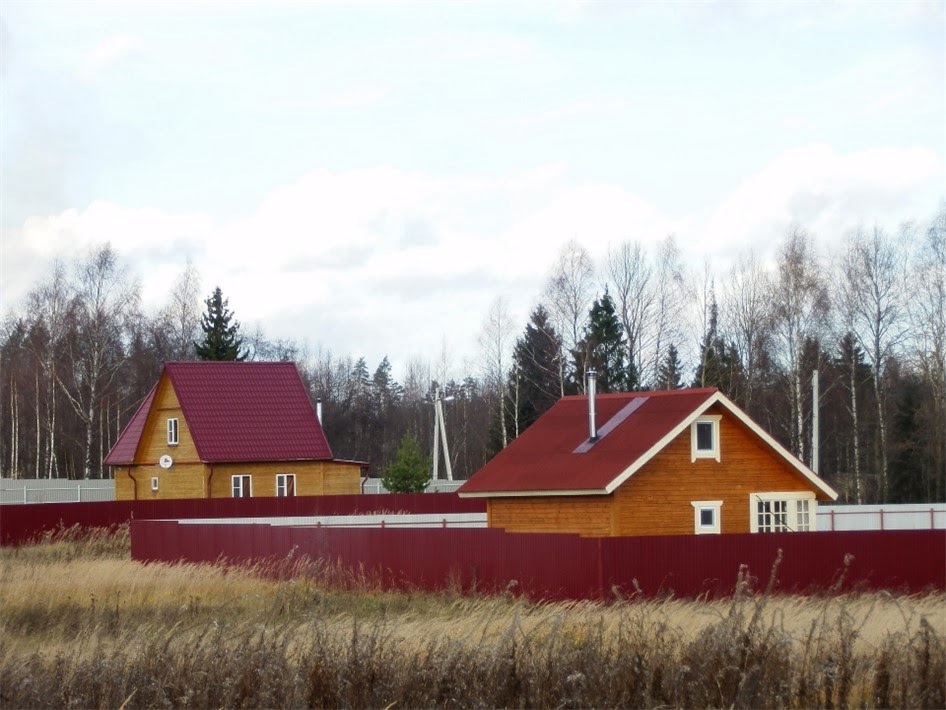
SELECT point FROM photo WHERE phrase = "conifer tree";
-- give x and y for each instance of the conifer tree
(410, 470)
(534, 380)
(604, 348)
(670, 376)
(222, 339)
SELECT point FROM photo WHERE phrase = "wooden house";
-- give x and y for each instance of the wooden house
(227, 429)
(676, 462)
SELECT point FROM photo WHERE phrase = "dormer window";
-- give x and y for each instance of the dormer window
(704, 437)
(172, 431)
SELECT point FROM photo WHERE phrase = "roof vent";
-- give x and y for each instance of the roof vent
(592, 378)
(318, 410)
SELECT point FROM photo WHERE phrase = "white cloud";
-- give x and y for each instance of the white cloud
(107, 53)
(827, 193)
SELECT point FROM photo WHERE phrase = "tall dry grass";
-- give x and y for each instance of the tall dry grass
(83, 626)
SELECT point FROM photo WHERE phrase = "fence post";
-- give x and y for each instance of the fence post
(932, 520)
(881, 518)
(832, 521)
(78, 492)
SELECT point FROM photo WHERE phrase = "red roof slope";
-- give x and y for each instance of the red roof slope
(124, 450)
(239, 411)
(552, 454)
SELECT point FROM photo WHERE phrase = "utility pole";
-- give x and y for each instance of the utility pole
(815, 425)
(440, 435)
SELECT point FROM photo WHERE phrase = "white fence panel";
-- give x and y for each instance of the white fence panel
(55, 490)
(909, 516)
(373, 485)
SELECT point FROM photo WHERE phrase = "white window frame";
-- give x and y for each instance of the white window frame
(799, 505)
(282, 489)
(241, 479)
(710, 505)
(174, 437)
(711, 453)
(154, 483)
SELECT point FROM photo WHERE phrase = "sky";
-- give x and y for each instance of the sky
(369, 177)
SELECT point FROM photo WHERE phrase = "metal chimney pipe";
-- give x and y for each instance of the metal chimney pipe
(318, 410)
(592, 388)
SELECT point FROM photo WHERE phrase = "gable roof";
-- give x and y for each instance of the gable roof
(236, 411)
(555, 457)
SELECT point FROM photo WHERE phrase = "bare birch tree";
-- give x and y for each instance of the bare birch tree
(568, 293)
(105, 300)
(49, 307)
(629, 276)
(672, 293)
(494, 340)
(872, 285)
(746, 315)
(801, 310)
(182, 312)
(928, 327)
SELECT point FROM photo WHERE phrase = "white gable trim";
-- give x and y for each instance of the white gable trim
(779, 449)
(742, 417)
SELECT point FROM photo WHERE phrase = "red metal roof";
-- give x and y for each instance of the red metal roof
(123, 452)
(238, 411)
(553, 454)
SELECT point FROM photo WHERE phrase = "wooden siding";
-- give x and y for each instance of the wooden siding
(189, 477)
(341, 478)
(124, 485)
(154, 438)
(589, 516)
(656, 500)
(313, 478)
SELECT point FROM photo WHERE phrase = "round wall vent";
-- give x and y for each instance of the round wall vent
(165, 461)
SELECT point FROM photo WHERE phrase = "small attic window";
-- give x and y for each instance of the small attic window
(704, 438)
(173, 431)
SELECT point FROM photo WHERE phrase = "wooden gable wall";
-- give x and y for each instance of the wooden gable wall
(656, 500)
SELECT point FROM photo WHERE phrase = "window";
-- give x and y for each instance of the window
(802, 518)
(706, 520)
(242, 485)
(704, 438)
(285, 485)
(781, 512)
(172, 431)
(154, 483)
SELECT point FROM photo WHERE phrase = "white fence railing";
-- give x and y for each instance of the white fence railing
(909, 516)
(63, 490)
(55, 490)
(368, 520)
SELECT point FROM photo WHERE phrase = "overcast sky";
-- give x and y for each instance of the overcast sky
(369, 177)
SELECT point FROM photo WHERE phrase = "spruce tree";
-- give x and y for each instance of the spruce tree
(410, 470)
(670, 377)
(534, 378)
(604, 348)
(222, 339)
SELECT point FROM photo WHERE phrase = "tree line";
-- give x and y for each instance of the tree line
(80, 354)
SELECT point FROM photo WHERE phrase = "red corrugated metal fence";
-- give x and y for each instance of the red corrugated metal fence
(567, 566)
(21, 523)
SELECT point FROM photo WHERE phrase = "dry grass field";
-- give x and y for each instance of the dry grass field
(81, 625)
